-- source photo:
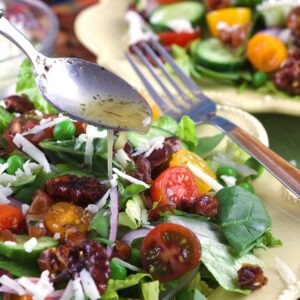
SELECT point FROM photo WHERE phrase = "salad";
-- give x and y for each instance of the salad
(247, 44)
(175, 219)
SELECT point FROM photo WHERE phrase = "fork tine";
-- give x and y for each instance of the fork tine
(189, 83)
(158, 62)
(142, 57)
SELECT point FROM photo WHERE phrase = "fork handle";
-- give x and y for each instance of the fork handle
(279, 167)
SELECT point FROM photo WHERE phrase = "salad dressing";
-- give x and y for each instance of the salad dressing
(110, 140)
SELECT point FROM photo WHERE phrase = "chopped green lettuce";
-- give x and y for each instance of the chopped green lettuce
(150, 290)
(206, 144)
(166, 123)
(5, 119)
(101, 223)
(186, 130)
(202, 286)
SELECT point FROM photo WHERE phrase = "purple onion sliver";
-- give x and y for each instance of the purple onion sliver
(15, 202)
(61, 276)
(114, 219)
(274, 31)
(129, 237)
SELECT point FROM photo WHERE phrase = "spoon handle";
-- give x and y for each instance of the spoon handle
(276, 165)
(18, 38)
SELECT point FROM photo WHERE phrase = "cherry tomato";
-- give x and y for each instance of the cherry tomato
(169, 251)
(10, 217)
(182, 157)
(231, 16)
(173, 185)
(266, 52)
(178, 38)
(63, 213)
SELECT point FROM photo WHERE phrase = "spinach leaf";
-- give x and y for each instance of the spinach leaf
(186, 130)
(101, 223)
(18, 268)
(128, 192)
(72, 152)
(267, 240)
(242, 217)
(166, 123)
(5, 119)
(206, 144)
(26, 85)
(218, 257)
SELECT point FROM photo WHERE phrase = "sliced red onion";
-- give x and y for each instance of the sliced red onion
(15, 202)
(166, 295)
(114, 219)
(274, 31)
(61, 276)
(129, 237)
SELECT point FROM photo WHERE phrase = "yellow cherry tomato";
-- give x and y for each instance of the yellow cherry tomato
(182, 157)
(230, 16)
(266, 52)
(154, 107)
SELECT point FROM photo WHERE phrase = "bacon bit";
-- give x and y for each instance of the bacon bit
(7, 235)
(18, 104)
(217, 4)
(251, 277)
(77, 190)
(122, 251)
(35, 216)
(234, 37)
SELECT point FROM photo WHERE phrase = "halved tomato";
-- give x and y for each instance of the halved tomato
(173, 185)
(169, 251)
(10, 217)
(178, 38)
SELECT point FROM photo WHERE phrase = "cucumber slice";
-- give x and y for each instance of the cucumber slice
(140, 140)
(190, 11)
(212, 54)
(18, 252)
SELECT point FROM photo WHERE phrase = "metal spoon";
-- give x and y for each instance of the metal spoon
(73, 85)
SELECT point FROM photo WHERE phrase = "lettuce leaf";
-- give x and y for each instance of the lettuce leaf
(26, 85)
(242, 217)
(166, 123)
(201, 285)
(150, 290)
(206, 144)
(5, 119)
(101, 223)
(186, 130)
(218, 257)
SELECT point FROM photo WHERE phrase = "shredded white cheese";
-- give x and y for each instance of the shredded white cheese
(127, 265)
(89, 285)
(285, 272)
(56, 236)
(122, 157)
(229, 180)
(131, 179)
(6, 178)
(78, 289)
(30, 245)
(224, 26)
(68, 292)
(31, 150)
(207, 179)
(5, 191)
(10, 243)
(154, 144)
(25, 208)
(12, 284)
(180, 25)
(3, 167)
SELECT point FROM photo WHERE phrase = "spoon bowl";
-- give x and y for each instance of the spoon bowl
(83, 90)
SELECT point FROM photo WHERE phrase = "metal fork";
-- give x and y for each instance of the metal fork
(204, 111)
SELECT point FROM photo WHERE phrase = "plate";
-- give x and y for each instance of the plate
(102, 28)
(283, 208)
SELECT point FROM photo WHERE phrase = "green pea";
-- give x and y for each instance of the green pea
(117, 271)
(15, 162)
(64, 130)
(253, 164)
(228, 171)
(135, 257)
(2, 161)
(259, 79)
(184, 294)
(247, 186)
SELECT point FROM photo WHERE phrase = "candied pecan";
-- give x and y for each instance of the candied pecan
(234, 36)
(80, 128)
(35, 216)
(293, 23)
(18, 104)
(72, 234)
(175, 143)
(154, 214)
(7, 235)
(128, 149)
(143, 169)
(78, 190)
(204, 205)
(287, 77)
(90, 256)
(122, 251)
(217, 4)
(251, 277)
(160, 156)
(48, 261)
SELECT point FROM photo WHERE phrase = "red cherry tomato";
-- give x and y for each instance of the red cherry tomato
(178, 38)
(173, 185)
(169, 251)
(10, 217)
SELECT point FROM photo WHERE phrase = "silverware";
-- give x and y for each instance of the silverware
(77, 87)
(204, 111)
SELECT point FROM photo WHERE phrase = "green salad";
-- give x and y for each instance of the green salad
(176, 219)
